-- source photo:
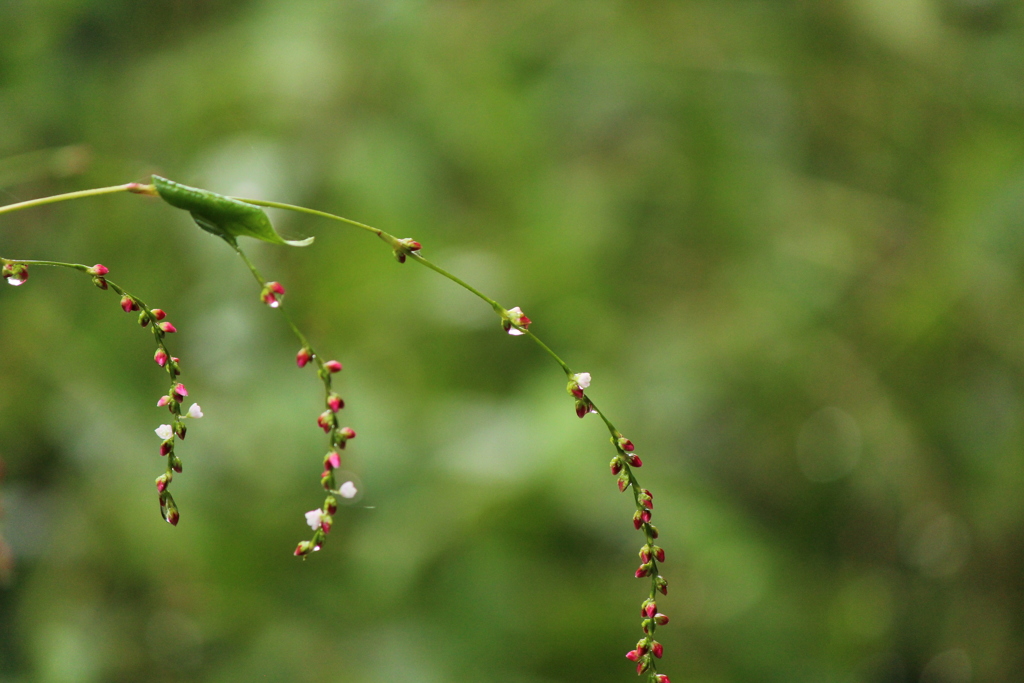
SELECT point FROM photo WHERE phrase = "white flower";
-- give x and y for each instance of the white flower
(348, 490)
(582, 379)
(516, 320)
(164, 432)
(196, 411)
(314, 518)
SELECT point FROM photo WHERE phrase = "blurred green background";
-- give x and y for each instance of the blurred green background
(783, 236)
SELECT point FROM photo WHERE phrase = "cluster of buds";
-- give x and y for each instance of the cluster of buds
(272, 293)
(650, 555)
(404, 247)
(514, 321)
(99, 272)
(578, 382)
(16, 274)
(321, 519)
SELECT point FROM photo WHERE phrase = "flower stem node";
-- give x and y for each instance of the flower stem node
(404, 247)
(303, 357)
(16, 274)
(514, 321)
(577, 383)
(272, 294)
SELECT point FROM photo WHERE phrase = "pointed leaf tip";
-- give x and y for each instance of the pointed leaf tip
(222, 216)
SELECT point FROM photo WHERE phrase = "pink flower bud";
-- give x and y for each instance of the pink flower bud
(99, 270)
(645, 554)
(166, 447)
(657, 649)
(326, 421)
(348, 432)
(303, 357)
(632, 655)
(276, 288)
(646, 516)
(167, 327)
(616, 465)
(164, 400)
(100, 282)
(158, 313)
(173, 516)
(127, 304)
(648, 608)
(335, 403)
(659, 553)
(635, 460)
(625, 444)
(16, 273)
(642, 666)
(332, 460)
(180, 390)
(622, 483)
(303, 548)
(332, 366)
(637, 520)
(661, 678)
(161, 483)
(160, 357)
(644, 570)
(660, 619)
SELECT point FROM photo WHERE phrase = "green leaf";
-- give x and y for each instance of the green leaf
(222, 216)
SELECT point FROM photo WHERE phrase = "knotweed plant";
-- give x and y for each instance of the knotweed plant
(230, 218)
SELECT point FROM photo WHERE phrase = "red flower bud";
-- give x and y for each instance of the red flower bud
(158, 313)
(637, 520)
(650, 610)
(348, 432)
(164, 400)
(661, 678)
(326, 421)
(167, 327)
(616, 465)
(657, 649)
(100, 282)
(332, 460)
(127, 305)
(646, 516)
(303, 548)
(98, 270)
(16, 273)
(625, 444)
(643, 666)
(303, 356)
(632, 655)
(334, 402)
(173, 516)
(331, 504)
(166, 447)
(161, 483)
(660, 619)
(180, 390)
(659, 553)
(644, 570)
(332, 366)
(635, 460)
(160, 357)
(276, 288)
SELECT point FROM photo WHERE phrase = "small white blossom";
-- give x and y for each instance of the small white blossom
(582, 379)
(518, 320)
(164, 432)
(314, 518)
(348, 490)
(196, 411)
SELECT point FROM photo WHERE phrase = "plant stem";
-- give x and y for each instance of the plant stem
(10, 208)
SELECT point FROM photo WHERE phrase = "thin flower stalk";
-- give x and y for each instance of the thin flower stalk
(321, 519)
(16, 273)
